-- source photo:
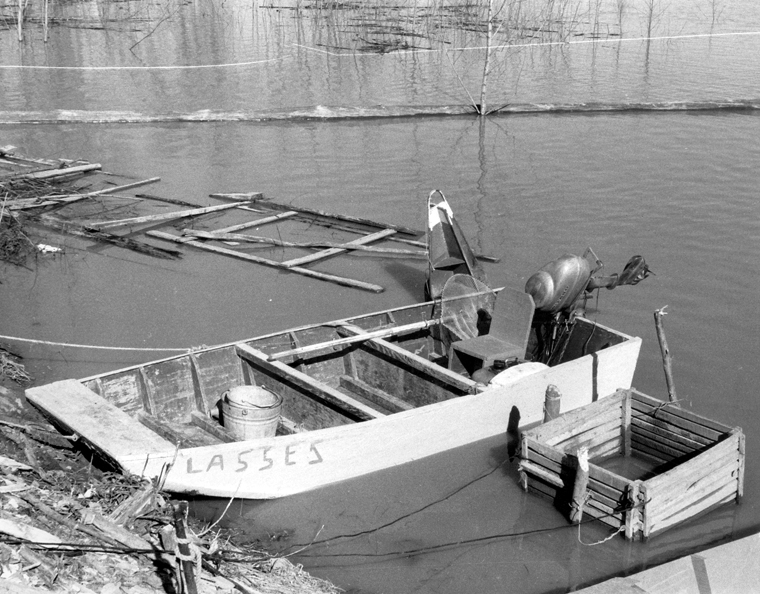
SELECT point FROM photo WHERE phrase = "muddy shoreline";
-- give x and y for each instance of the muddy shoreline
(113, 533)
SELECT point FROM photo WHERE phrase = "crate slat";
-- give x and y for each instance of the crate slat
(674, 417)
(570, 423)
(639, 398)
(650, 457)
(602, 516)
(722, 472)
(613, 447)
(700, 463)
(536, 470)
(724, 495)
(602, 433)
(683, 498)
(640, 441)
(660, 423)
(604, 418)
(675, 440)
(707, 459)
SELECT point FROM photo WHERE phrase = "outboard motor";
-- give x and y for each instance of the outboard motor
(561, 288)
(559, 285)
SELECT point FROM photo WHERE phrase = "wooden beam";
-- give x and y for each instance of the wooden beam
(166, 216)
(398, 353)
(339, 250)
(204, 422)
(379, 397)
(58, 171)
(274, 264)
(70, 228)
(57, 200)
(325, 215)
(192, 234)
(328, 394)
(364, 336)
(223, 236)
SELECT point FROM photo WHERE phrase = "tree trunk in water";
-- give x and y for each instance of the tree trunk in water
(482, 109)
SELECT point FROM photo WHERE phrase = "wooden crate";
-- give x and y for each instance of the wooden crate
(695, 464)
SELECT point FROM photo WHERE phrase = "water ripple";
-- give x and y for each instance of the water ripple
(321, 112)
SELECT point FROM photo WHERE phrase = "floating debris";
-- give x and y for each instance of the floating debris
(11, 369)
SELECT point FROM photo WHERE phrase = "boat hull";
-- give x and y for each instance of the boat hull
(284, 465)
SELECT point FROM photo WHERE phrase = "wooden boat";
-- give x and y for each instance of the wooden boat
(448, 250)
(359, 395)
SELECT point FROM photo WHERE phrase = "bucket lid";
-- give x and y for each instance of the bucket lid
(257, 396)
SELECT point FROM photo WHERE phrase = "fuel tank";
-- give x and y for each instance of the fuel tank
(558, 284)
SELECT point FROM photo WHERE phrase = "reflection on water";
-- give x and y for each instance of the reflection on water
(183, 58)
(679, 187)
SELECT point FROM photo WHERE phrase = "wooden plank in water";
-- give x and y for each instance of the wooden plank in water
(102, 426)
(190, 234)
(318, 213)
(166, 216)
(321, 391)
(58, 200)
(76, 230)
(58, 171)
(348, 282)
(339, 250)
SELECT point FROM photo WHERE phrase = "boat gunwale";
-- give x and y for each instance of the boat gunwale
(361, 426)
(326, 324)
(206, 349)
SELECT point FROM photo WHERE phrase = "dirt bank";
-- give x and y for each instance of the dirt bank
(67, 525)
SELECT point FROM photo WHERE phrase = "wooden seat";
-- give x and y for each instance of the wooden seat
(507, 336)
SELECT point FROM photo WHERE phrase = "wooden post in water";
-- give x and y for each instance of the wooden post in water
(552, 402)
(667, 360)
(20, 23)
(580, 486)
(186, 559)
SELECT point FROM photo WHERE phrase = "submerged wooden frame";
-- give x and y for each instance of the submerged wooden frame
(699, 463)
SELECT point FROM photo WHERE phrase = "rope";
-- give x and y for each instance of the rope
(528, 45)
(373, 54)
(195, 556)
(187, 67)
(593, 544)
(90, 346)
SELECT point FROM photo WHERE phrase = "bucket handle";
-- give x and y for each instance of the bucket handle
(277, 402)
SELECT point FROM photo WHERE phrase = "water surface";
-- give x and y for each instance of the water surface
(677, 185)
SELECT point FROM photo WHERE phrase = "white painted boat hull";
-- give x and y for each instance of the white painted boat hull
(286, 465)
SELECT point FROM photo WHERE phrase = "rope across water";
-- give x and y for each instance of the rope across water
(96, 347)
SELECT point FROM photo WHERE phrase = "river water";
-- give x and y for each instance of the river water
(632, 134)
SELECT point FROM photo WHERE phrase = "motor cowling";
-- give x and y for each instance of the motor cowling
(558, 284)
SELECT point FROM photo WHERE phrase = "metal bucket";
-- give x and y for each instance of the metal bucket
(250, 412)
